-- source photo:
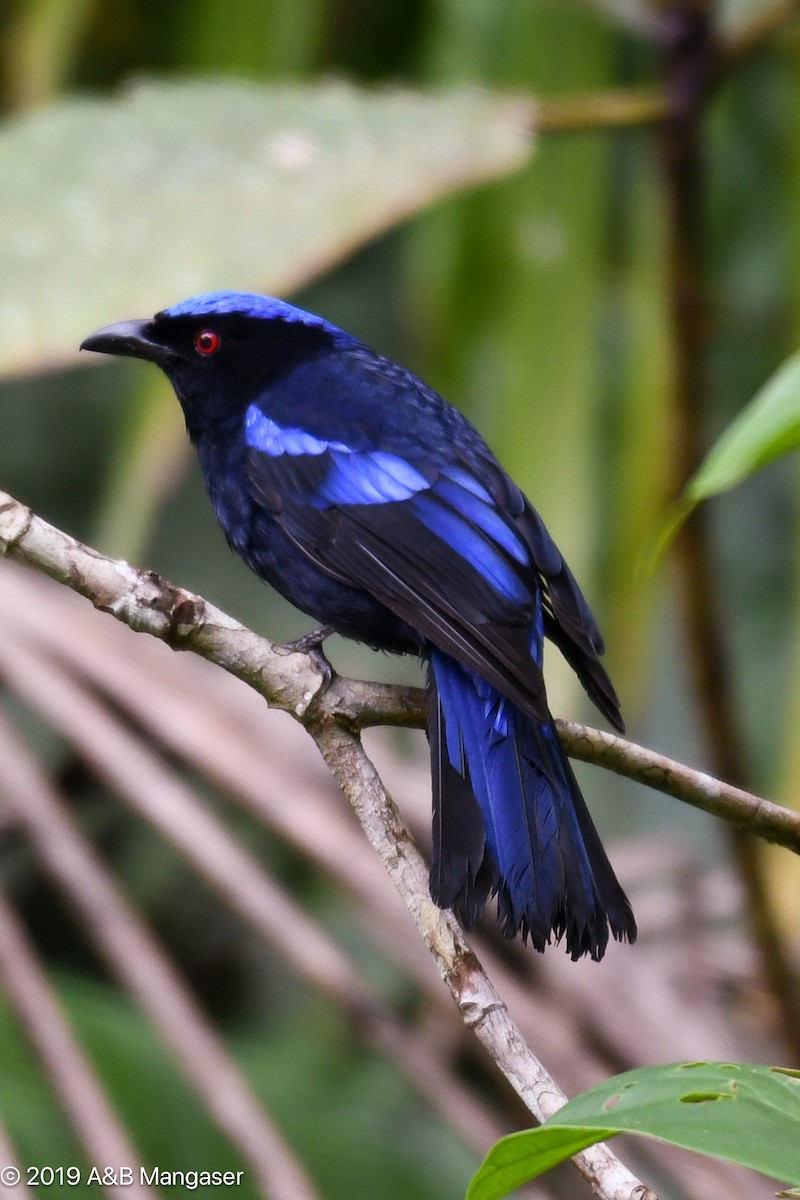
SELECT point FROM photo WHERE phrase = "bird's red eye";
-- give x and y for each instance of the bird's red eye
(207, 342)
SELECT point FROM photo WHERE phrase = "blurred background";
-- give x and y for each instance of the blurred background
(202, 965)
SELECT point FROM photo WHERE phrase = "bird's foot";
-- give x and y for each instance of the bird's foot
(309, 641)
(311, 644)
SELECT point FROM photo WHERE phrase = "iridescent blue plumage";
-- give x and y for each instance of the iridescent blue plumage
(351, 476)
(249, 304)
(371, 503)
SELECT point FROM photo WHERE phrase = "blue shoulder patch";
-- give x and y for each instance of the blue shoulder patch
(264, 434)
(352, 476)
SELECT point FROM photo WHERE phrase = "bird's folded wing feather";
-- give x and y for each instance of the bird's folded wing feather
(459, 557)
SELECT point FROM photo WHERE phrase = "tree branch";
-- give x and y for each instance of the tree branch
(291, 681)
(334, 714)
(743, 809)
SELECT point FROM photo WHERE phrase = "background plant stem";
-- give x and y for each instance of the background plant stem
(692, 55)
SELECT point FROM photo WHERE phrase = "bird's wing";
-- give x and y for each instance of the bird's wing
(568, 620)
(464, 560)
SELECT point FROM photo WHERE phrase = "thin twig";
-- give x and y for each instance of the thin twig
(607, 109)
(743, 809)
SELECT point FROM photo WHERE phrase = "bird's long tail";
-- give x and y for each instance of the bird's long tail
(509, 818)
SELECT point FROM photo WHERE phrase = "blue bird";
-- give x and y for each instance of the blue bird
(372, 504)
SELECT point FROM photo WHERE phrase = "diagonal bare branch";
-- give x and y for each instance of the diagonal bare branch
(481, 1006)
(70, 1072)
(9, 1158)
(291, 681)
(137, 960)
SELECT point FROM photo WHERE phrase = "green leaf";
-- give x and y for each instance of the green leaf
(768, 427)
(111, 209)
(741, 1112)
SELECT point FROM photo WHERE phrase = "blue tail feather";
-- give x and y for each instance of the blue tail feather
(536, 844)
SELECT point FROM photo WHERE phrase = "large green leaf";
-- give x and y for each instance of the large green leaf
(744, 1113)
(115, 208)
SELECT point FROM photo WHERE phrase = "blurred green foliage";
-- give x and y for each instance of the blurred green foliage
(321, 1088)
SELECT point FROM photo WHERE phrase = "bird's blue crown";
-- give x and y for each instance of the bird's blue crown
(249, 304)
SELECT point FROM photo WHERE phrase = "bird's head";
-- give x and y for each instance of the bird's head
(220, 350)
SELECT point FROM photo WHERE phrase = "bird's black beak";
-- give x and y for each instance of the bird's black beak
(130, 338)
